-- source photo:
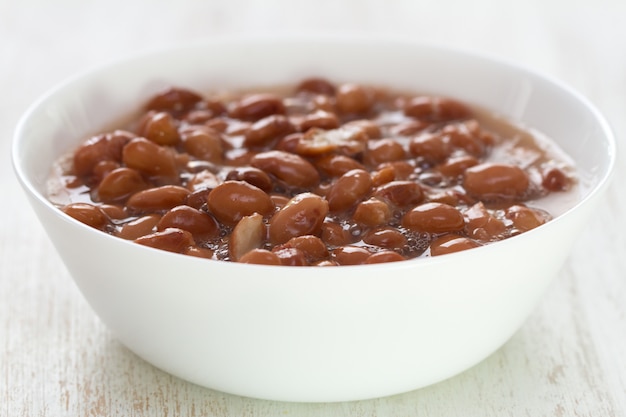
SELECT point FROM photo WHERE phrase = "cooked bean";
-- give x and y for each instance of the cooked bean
(333, 234)
(260, 257)
(142, 226)
(400, 193)
(481, 225)
(120, 184)
(383, 175)
(321, 119)
(160, 128)
(349, 140)
(372, 212)
(291, 256)
(150, 159)
(433, 218)
(171, 240)
(350, 255)
(252, 176)
(385, 237)
(204, 144)
(384, 257)
(199, 252)
(292, 169)
(114, 211)
(436, 109)
(433, 148)
(257, 106)
(303, 215)
(354, 99)
(455, 167)
(202, 180)
(450, 244)
(524, 218)
(496, 181)
(311, 246)
(369, 127)
(554, 179)
(384, 150)
(317, 86)
(232, 200)
(88, 214)
(200, 224)
(269, 128)
(157, 199)
(334, 165)
(93, 151)
(175, 100)
(349, 189)
(248, 234)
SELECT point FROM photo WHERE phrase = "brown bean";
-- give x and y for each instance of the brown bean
(150, 159)
(142, 226)
(257, 106)
(460, 138)
(455, 167)
(232, 200)
(160, 128)
(349, 140)
(199, 252)
(248, 234)
(114, 211)
(481, 225)
(383, 150)
(316, 86)
(290, 168)
(335, 235)
(157, 199)
(554, 179)
(120, 184)
(88, 214)
(349, 189)
(400, 193)
(320, 119)
(369, 127)
(385, 237)
(372, 212)
(171, 240)
(354, 99)
(260, 257)
(252, 176)
(450, 244)
(350, 255)
(496, 181)
(525, 218)
(174, 100)
(202, 180)
(311, 246)
(93, 151)
(268, 129)
(383, 175)
(433, 218)
(433, 148)
(200, 224)
(303, 215)
(290, 256)
(384, 257)
(204, 144)
(334, 165)
(436, 109)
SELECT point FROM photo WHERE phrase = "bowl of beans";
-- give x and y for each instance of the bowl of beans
(313, 219)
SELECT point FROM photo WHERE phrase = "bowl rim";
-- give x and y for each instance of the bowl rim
(260, 40)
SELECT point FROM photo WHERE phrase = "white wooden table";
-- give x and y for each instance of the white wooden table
(57, 358)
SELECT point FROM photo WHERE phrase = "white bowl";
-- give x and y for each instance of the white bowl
(311, 333)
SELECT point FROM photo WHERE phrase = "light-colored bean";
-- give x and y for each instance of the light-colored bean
(383, 150)
(204, 144)
(248, 234)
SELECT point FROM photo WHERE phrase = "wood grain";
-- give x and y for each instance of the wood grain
(57, 358)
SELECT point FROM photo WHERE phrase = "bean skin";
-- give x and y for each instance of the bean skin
(434, 218)
(269, 128)
(290, 168)
(160, 128)
(450, 244)
(291, 256)
(384, 257)
(525, 218)
(349, 189)
(174, 100)
(252, 176)
(400, 193)
(350, 255)
(204, 144)
(354, 99)
(247, 235)
(496, 181)
(88, 214)
(481, 225)
(312, 247)
(303, 215)
(200, 224)
(157, 199)
(260, 257)
(257, 106)
(320, 119)
(232, 200)
(384, 150)
(555, 179)
(433, 148)
(317, 86)
(120, 184)
(137, 228)
(150, 159)
(334, 235)
(385, 237)
(171, 240)
(436, 109)
(334, 165)
(372, 212)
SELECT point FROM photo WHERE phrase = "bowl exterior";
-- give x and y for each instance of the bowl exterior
(312, 334)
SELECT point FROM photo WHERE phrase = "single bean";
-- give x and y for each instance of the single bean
(433, 148)
(385, 237)
(137, 228)
(303, 215)
(436, 109)
(354, 99)
(481, 225)
(114, 211)
(369, 127)
(335, 165)
(120, 184)
(334, 235)
(384, 257)
(268, 129)
(174, 100)
(200, 224)
(400, 193)
(199, 252)
(372, 212)
(455, 167)
(232, 200)
(156, 199)
(525, 218)
(433, 218)
(383, 175)
(202, 180)
(260, 257)
(316, 86)
(171, 240)
(150, 159)
(451, 243)
(554, 179)
(248, 234)
(349, 189)
(311, 246)
(320, 119)
(383, 150)
(88, 214)
(160, 128)
(257, 106)
(491, 181)
(252, 176)
(291, 256)
(290, 168)
(204, 144)
(350, 255)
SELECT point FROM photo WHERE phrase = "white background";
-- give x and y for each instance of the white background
(57, 359)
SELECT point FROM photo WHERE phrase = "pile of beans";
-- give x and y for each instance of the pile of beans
(318, 174)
